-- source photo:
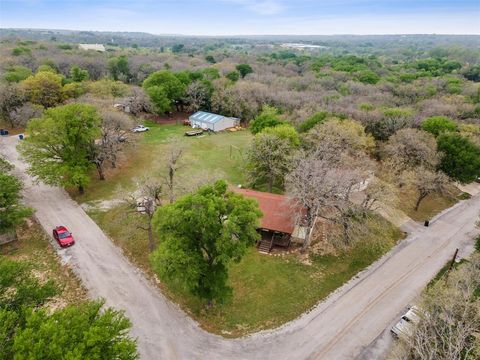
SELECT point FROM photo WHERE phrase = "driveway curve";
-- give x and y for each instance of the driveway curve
(338, 328)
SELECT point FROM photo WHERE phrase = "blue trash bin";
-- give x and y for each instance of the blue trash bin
(5, 132)
(2, 132)
(20, 136)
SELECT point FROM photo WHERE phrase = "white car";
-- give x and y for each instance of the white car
(406, 326)
(140, 128)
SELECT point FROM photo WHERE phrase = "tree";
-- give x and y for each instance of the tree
(426, 181)
(233, 76)
(244, 69)
(284, 131)
(461, 158)
(269, 117)
(105, 88)
(392, 120)
(75, 332)
(174, 157)
(58, 149)
(200, 235)
(17, 73)
(30, 330)
(210, 59)
(323, 190)
(268, 160)
(198, 95)
(340, 142)
(164, 89)
(313, 120)
(438, 124)
(114, 128)
(147, 198)
(11, 98)
(449, 318)
(77, 74)
(44, 88)
(12, 212)
(158, 97)
(22, 115)
(119, 68)
(410, 148)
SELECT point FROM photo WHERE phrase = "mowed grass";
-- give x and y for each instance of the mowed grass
(34, 246)
(209, 156)
(430, 206)
(267, 290)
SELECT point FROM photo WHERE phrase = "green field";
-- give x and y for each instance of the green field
(207, 156)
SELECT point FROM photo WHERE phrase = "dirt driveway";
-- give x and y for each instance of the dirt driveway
(341, 327)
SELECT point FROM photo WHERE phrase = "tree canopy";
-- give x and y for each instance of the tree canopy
(44, 88)
(461, 157)
(268, 117)
(438, 124)
(167, 89)
(59, 146)
(12, 212)
(200, 235)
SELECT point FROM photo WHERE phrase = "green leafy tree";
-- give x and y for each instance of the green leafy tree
(58, 148)
(461, 157)
(284, 131)
(368, 77)
(158, 96)
(244, 69)
(44, 88)
(177, 48)
(75, 332)
(438, 124)
(200, 235)
(210, 59)
(268, 117)
(172, 87)
(313, 120)
(12, 213)
(17, 73)
(268, 160)
(105, 88)
(77, 74)
(119, 68)
(233, 76)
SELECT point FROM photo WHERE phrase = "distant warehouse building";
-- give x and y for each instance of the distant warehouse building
(214, 122)
(96, 47)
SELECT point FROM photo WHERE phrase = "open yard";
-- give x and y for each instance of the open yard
(204, 158)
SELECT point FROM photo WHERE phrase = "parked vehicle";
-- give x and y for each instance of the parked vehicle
(140, 128)
(406, 326)
(63, 236)
(194, 132)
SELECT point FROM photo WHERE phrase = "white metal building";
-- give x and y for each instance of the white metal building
(206, 120)
(96, 47)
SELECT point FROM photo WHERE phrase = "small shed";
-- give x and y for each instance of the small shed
(214, 122)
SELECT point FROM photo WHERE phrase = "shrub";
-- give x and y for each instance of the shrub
(438, 124)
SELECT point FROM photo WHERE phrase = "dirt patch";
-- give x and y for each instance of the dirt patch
(170, 119)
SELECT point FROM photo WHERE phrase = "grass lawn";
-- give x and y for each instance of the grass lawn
(217, 155)
(430, 206)
(267, 291)
(34, 247)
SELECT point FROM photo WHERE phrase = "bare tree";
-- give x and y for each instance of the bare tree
(144, 202)
(450, 319)
(379, 193)
(324, 191)
(409, 148)
(173, 165)
(113, 137)
(425, 182)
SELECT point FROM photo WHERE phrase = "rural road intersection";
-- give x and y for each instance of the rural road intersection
(341, 327)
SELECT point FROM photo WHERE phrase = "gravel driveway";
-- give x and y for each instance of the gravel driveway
(341, 327)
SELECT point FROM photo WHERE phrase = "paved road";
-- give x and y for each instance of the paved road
(339, 328)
